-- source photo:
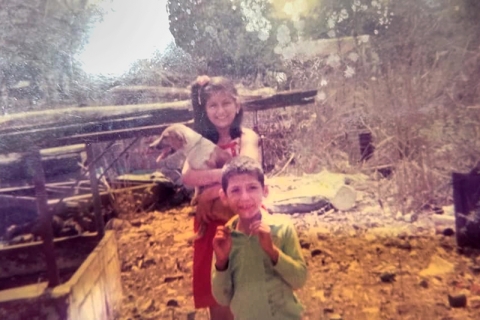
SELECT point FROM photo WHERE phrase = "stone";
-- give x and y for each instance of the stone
(423, 283)
(183, 237)
(399, 215)
(136, 223)
(320, 295)
(323, 233)
(173, 278)
(316, 252)
(146, 305)
(135, 269)
(305, 244)
(372, 313)
(328, 310)
(398, 243)
(474, 302)
(457, 301)
(344, 198)
(388, 277)
(475, 268)
(449, 210)
(172, 303)
(148, 261)
(475, 288)
(437, 267)
(126, 266)
(409, 217)
(403, 309)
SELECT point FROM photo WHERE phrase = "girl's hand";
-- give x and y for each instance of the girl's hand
(222, 245)
(202, 80)
(209, 206)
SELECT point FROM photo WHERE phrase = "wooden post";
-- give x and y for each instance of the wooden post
(366, 146)
(466, 198)
(34, 161)
(97, 205)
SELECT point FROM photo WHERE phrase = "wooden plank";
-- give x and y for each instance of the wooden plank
(14, 169)
(280, 100)
(64, 188)
(75, 115)
(28, 121)
(127, 93)
(62, 151)
(12, 189)
(85, 197)
(16, 201)
(144, 131)
(7, 200)
(45, 216)
(46, 136)
(97, 204)
(116, 134)
(44, 128)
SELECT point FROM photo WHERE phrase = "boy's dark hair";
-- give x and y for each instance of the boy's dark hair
(242, 165)
(200, 95)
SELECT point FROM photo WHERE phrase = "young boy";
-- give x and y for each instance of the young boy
(258, 262)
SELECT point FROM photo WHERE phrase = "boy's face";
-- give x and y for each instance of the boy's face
(244, 195)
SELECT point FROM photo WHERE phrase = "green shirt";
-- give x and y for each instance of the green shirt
(252, 286)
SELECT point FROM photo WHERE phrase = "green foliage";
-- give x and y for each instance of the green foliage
(38, 41)
(232, 37)
(172, 67)
(342, 18)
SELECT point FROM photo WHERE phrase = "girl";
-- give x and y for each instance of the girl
(217, 117)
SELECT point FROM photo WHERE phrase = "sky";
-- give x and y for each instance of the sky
(130, 30)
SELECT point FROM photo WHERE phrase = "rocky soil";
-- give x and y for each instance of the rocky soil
(367, 263)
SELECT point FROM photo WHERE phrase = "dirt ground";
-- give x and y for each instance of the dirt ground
(363, 264)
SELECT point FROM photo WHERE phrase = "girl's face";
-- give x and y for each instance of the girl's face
(221, 109)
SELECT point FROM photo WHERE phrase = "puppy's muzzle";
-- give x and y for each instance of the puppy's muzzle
(159, 145)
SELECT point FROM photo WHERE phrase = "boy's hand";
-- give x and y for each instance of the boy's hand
(222, 245)
(262, 230)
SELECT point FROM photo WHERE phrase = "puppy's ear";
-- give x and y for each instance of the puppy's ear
(180, 136)
(157, 144)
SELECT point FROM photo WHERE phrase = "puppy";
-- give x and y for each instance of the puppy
(201, 154)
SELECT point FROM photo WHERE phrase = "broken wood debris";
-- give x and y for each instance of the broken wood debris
(45, 128)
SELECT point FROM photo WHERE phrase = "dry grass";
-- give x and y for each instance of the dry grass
(420, 104)
(415, 88)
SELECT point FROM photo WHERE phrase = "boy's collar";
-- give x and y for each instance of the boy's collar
(232, 223)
